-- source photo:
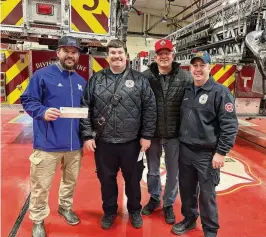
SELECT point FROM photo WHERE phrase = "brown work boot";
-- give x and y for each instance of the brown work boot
(38, 230)
(70, 216)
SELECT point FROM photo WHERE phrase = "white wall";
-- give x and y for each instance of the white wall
(137, 44)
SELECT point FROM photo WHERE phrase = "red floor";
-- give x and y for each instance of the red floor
(241, 193)
(253, 130)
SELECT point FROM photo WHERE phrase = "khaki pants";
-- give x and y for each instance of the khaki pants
(42, 170)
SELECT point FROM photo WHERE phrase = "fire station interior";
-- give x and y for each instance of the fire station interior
(232, 31)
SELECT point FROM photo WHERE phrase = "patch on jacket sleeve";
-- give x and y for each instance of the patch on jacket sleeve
(229, 107)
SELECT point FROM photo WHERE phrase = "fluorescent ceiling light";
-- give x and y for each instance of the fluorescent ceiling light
(149, 38)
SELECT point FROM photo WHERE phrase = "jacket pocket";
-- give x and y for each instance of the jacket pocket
(58, 133)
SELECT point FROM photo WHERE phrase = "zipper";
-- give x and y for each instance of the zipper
(165, 97)
(115, 120)
(190, 112)
(116, 83)
(164, 112)
(71, 127)
(46, 130)
(191, 108)
(114, 108)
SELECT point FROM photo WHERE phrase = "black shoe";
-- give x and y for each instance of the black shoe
(38, 230)
(70, 217)
(136, 220)
(184, 226)
(169, 215)
(107, 221)
(150, 207)
(209, 233)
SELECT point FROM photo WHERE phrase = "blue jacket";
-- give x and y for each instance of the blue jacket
(53, 87)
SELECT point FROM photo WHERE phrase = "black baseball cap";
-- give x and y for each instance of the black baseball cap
(69, 41)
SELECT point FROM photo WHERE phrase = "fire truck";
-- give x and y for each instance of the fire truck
(44, 22)
(234, 34)
(140, 63)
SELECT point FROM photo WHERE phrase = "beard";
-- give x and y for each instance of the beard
(67, 67)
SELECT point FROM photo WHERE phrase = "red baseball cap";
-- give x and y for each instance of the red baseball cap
(163, 44)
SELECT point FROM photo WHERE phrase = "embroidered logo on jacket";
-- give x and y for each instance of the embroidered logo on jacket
(203, 99)
(60, 85)
(129, 83)
(80, 87)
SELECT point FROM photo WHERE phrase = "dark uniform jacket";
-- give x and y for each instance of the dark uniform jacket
(168, 92)
(208, 118)
(133, 117)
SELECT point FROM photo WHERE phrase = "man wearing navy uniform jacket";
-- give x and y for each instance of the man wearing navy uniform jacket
(207, 133)
(55, 139)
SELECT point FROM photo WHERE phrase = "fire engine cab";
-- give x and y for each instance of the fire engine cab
(27, 22)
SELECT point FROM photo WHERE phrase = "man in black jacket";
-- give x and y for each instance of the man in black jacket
(168, 82)
(122, 114)
(207, 133)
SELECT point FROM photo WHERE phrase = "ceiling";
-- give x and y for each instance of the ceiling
(176, 13)
(175, 7)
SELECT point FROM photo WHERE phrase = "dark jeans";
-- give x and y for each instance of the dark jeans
(109, 157)
(195, 168)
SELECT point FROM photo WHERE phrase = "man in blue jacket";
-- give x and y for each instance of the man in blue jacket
(56, 140)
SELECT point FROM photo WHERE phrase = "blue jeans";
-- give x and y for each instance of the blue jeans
(153, 154)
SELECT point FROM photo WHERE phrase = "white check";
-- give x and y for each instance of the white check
(72, 112)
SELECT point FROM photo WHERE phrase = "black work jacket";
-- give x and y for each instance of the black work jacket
(133, 117)
(168, 101)
(208, 118)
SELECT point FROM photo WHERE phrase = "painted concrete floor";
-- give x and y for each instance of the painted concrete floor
(241, 192)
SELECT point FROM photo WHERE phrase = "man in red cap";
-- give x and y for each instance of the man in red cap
(168, 82)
